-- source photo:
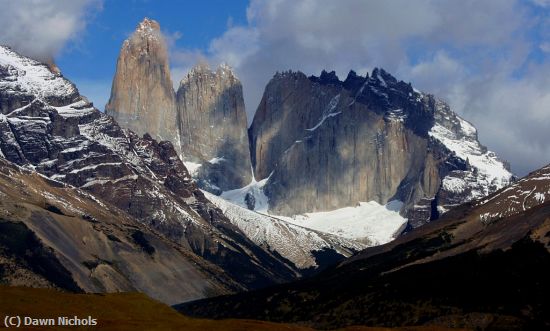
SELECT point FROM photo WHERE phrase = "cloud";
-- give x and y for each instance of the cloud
(41, 28)
(475, 55)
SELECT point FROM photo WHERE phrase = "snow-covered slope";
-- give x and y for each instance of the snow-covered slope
(486, 173)
(523, 195)
(19, 73)
(295, 243)
(370, 222)
(251, 196)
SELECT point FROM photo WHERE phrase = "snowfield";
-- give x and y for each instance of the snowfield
(368, 222)
(486, 173)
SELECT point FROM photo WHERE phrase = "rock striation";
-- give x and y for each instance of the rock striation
(212, 123)
(324, 144)
(142, 97)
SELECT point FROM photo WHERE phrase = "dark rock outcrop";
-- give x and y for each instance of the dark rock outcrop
(57, 236)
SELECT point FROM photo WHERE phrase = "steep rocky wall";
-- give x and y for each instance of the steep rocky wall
(142, 97)
(291, 104)
(327, 144)
(212, 124)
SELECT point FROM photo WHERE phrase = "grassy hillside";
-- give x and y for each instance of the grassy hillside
(123, 311)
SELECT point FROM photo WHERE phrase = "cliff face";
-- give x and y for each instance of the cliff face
(212, 123)
(142, 96)
(326, 144)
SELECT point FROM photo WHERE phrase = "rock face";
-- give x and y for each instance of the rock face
(142, 96)
(326, 144)
(212, 123)
(45, 125)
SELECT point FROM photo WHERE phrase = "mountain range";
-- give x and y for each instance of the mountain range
(354, 202)
(316, 143)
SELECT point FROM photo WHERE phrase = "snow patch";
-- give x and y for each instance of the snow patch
(453, 184)
(31, 76)
(217, 160)
(488, 173)
(377, 223)
(540, 197)
(293, 242)
(328, 112)
(192, 167)
(396, 115)
(254, 189)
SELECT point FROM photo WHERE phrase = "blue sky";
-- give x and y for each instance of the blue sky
(488, 59)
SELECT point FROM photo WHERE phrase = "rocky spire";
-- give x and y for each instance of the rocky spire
(213, 127)
(142, 96)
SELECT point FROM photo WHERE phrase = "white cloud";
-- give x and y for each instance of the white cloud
(41, 28)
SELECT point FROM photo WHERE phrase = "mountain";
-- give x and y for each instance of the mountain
(322, 144)
(212, 122)
(142, 97)
(53, 235)
(466, 270)
(316, 144)
(47, 126)
(205, 120)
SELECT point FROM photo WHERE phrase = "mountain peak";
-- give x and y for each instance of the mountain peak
(28, 76)
(383, 76)
(203, 68)
(225, 68)
(353, 81)
(326, 78)
(148, 25)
